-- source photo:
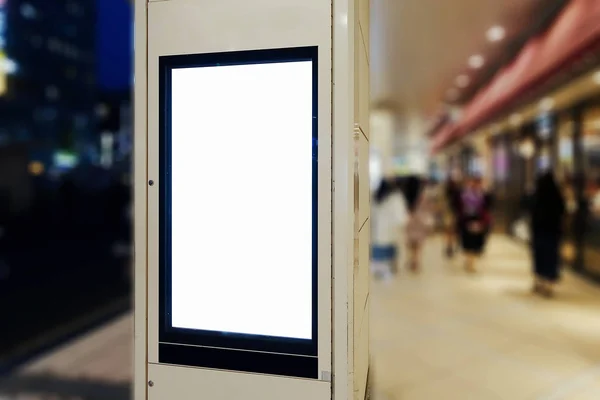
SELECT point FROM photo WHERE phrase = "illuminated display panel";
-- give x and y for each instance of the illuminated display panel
(238, 223)
(4, 61)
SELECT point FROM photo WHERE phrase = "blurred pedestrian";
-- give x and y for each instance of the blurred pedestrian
(547, 213)
(451, 212)
(474, 221)
(389, 219)
(421, 219)
(489, 201)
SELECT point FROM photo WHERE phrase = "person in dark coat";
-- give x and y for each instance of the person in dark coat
(489, 201)
(412, 191)
(452, 193)
(474, 221)
(547, 214)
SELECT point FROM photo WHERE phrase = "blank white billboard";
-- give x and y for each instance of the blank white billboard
(241, 151)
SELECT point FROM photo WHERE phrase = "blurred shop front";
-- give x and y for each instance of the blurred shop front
(541, 113)
(589, 192)
(565, 141)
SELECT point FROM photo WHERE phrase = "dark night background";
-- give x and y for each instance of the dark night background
(115, 42)
(65, 157)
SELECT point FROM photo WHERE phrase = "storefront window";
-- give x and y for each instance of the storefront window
(500, 163)
(565, 169)
(565, 149)
(527, 153)
(544, 126)
(545, 138)
(544, 161)
(475, 166)
(590, 143)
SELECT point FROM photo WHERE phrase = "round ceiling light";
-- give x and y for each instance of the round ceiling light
(496, 33)
(462, 81)
(546, 104)
(476, 61)
(515, 120)
(452, 94)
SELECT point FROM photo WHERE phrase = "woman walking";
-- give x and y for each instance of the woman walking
(474, 221)
(548, 210)
(389, 219)
(451, 212)
(420, 221)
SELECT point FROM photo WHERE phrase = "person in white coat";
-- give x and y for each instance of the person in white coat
(390, 216)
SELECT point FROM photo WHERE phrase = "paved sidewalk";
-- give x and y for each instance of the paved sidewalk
(444, 334)
(441, 334)
(95, 367)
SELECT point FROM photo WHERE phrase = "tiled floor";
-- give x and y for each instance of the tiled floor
(106, 353)
(97, 366)
(439, 335)
(444, 334)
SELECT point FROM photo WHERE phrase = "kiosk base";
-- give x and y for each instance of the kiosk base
(180, 383)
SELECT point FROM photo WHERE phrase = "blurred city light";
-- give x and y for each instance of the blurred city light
(4, 62)
(36, 168)
(10, 66)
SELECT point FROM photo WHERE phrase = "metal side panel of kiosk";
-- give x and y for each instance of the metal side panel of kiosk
(239, 207)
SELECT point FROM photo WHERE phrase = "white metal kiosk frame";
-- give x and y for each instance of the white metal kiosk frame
(196, 364)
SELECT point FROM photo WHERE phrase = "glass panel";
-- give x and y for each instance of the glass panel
(238, 224)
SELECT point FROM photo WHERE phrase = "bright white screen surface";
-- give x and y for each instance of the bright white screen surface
(242, 198)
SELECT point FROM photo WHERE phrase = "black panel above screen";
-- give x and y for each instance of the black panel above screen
(238, 211)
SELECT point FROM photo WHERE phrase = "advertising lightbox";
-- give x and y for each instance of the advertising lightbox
(238, 211)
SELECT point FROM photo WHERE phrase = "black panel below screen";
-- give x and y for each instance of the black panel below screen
(243, 361)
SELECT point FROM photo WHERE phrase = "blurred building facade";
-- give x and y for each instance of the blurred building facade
(49, 67)
(47, 78)
(64, 218)
(115, 124)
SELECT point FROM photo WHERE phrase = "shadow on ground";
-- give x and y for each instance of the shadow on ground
(47, 386)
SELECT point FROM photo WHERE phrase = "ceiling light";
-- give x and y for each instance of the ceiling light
(455, 113)
(597, 78)
(496, 33)
(462, 81)
(515, 120)
(452, 94)
(547, 104)
(476, 61)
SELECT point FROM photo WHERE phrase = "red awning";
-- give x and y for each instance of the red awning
(501, 89)
(575, 31)
(443, 137)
